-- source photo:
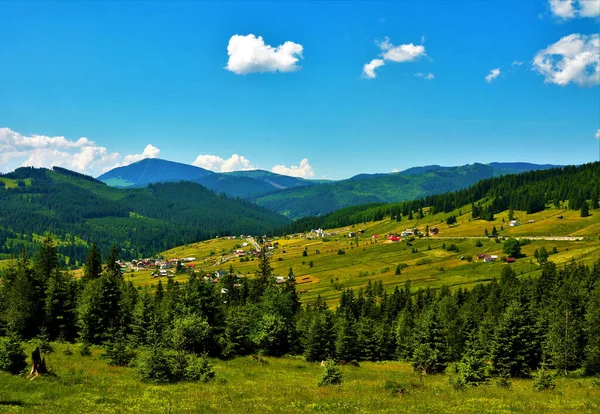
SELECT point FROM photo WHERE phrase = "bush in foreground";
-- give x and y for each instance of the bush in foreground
(331, 374)
(159, 365)
(12, 356)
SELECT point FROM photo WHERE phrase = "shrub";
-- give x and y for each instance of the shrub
(458, 382)
(12, 356)
(190, 333)
(394, 387)
(543, 380)
(84, 349)
(118, 352)
(199, 369)
(340, 251)
(424, 261)
(68, 351)
(478, 243)
(43, 342)
(154, 365)
(331, 374)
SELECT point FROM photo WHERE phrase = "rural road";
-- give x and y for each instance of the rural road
(223, 259)
(254, 243)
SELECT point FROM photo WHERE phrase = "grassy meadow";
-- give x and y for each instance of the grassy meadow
(88, 384)
(323, 271)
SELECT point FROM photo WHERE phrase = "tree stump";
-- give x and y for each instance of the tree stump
(38, 364)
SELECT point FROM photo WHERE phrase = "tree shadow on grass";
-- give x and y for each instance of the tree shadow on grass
(12, 403)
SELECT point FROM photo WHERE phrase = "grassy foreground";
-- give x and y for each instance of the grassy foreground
(88, 384)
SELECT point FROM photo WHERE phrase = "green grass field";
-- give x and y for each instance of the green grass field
(284, 385)
(376, 260)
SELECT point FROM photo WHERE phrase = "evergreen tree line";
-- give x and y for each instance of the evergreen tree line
(529, 192)
(508, 327)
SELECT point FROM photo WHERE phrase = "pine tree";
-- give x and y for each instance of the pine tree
(591, 362)
(346, 341)
(263, 275)
(93, 264)
(19, 297)
(430, 354)
(320, 337)
(513, 347)
(60, 306)
(585, 209)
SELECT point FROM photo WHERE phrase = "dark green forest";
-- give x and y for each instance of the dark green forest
(507, 328)
(140, 222)
(530, 191)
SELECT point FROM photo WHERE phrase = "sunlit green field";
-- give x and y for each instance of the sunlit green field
(286, 385)
(325, 272)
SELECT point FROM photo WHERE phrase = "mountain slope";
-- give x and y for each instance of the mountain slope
(152, 170)
(237, 184)
(374, 188)
(385, 188)
(141, 221)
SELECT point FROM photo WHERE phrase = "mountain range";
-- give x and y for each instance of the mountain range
(243, 184)
(296, 197)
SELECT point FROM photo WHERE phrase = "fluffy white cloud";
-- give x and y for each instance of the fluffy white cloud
(369, 68)
(149, 152)
(390, 53)
(249, 54)
(402, 53)
(427, 76)
(81, 155)
(568, 9)
(517, 63)
(597, 134)
(494, 73)
(304, 170)
(574, 58)
(215, 163)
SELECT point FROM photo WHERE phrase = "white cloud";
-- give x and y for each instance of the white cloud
(402, 53)
(215, 163)
(562, 8)
(390, 53)
(149, 152)
(304, 170)
(369, 68)
(82, 155)
(574, 58)
(589, 8)
(250, 54)
(597, 134)
(426, 76)
(517, 63)
(569, 9)
(494, 73)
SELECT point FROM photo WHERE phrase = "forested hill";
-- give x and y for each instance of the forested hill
(141, 221)
(529, 191)
(411, 184)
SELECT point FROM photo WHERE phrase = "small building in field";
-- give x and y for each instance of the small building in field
(510, 260)
(221, 273)
(434, 230)
(514, 223)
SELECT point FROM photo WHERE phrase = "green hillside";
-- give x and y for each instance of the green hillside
(140, 221)
(363, 189)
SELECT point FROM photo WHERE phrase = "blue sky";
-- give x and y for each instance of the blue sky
(156, 79)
